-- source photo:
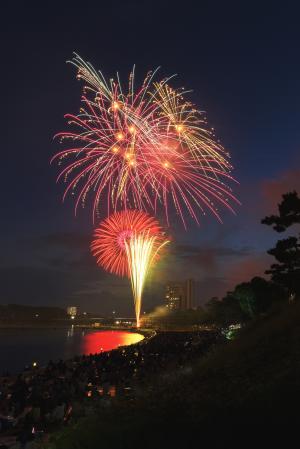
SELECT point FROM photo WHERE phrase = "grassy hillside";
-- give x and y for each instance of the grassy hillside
(244, 393)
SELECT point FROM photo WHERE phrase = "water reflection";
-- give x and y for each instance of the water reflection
(107, 340)
(22, 347)
(71, 331)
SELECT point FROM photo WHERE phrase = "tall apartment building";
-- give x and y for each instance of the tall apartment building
(180, 295)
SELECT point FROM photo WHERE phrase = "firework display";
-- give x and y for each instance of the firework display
(135, 150)
(127, 243)
(144, 148)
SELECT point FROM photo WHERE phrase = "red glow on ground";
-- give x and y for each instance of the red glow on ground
(107, 340)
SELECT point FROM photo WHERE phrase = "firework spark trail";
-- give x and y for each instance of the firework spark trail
(127, 243)
(144, 148)
(140, 253)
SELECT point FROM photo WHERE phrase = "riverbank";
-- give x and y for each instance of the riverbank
(68, 324)
(23, 347)
(243, 393)
(66, 391)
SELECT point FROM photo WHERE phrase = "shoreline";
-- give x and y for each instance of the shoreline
(28, 368)
(122, 373)
(11, 438)
(144, 332)
(47, 325)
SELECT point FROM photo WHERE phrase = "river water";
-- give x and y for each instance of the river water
(21, 347)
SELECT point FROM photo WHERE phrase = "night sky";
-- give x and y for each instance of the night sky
(244, 68)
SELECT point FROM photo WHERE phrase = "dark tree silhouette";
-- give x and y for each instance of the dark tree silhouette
(224, 312)
(257, 296)
(289, 213)
(287, 251)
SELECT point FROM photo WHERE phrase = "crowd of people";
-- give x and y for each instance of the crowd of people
(40, 400)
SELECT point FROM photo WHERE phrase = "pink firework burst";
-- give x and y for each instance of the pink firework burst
(145, 149)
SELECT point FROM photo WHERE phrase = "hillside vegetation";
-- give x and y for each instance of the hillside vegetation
(245, 392)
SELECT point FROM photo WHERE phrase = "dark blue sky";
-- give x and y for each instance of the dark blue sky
(242, 63)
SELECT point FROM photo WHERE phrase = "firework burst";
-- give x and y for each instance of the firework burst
(144, 148)
(127, 243)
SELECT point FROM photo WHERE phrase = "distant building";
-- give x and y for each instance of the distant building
(180, 295)
(174, 295)
(190, 293)
(72, 311)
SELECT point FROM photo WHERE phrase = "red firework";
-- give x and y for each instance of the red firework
(144, 149)
(108, 245)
